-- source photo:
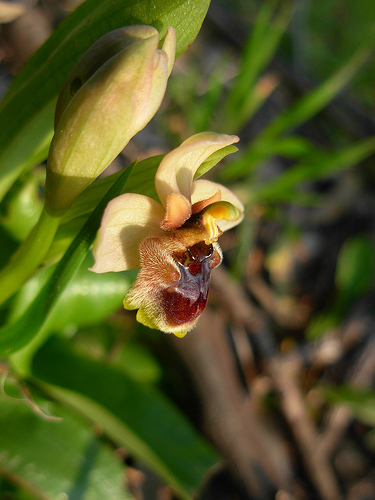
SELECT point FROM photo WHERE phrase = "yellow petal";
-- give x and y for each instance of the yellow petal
(176, 171)
(127, 221)
(203, 190)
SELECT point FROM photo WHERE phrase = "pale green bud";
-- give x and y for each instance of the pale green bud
(112, 93)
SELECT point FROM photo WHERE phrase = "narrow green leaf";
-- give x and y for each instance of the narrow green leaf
(87, 300)
(355, 270)
(245, 242)
(26, 113)
(355, 275)
(56, 458)
(270, 25)
(319, 166)
(300, 112)
(360, 401)
(141, 181)
(310, 104)
(133, 415)
(15, 336)
(293, 147)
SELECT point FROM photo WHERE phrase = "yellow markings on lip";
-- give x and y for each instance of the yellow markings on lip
(180, 335)
(223, 210)
(213, 232)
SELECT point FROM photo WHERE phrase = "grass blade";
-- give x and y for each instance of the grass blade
(303, 110)
(323, 165)
(259, 49)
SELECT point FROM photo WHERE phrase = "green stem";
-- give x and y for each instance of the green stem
(28, 256)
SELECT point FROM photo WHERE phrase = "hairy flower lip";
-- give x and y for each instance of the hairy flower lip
(176, 238)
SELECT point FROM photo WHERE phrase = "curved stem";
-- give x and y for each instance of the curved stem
(28, 256)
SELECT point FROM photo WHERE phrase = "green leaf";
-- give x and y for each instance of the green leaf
(138, 362)
(318, 166)
(8, 246)
(53, 458)
(23, 205)
(300, 112)
(90, 298)
(141, 181)
(360, 401)
(245, 242)
(26, 113)
(355, 273)
(131, 414)
(15, 336)
(355, 268)
(87, 300)
(289, 147)
(310, 104)
(243, 99)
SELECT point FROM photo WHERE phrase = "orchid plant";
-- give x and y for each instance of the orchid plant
(111, 94)
(174, 241)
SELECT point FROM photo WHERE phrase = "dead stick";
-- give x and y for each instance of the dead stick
(284, 374)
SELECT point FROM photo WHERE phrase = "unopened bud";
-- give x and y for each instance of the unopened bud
(112, 93)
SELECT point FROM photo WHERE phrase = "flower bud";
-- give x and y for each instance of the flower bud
(112, 93)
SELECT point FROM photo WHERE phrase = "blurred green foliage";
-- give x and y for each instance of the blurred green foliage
(327, 33)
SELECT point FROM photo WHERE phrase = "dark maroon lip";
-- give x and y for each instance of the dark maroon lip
(186, 300)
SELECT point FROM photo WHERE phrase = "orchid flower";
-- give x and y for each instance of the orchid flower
(174, 242)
